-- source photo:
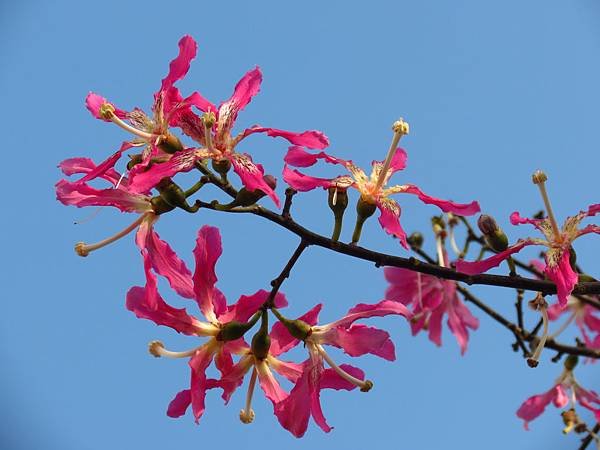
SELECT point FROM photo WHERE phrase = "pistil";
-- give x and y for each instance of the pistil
(157, 349)
(539, 304)
(247, 414)
(400, 128)
(365, 386)
(108, 112)
(83, 249)
(539, 178)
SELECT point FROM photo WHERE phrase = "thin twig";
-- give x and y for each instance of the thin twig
(590, 437)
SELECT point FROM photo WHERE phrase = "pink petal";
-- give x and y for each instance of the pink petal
(459, 320)
(461, 209)
(269, 384)
(179, 404)
(298, 157)
(593, 209)
(142, 179)
(358, 340)
(363, 310)
(563, 275)
(199, 363)
(587, 399)
(180, 65)
(291, 371)
(231, 380)
(310, 139)
(589, 229)
(282, 340)
(516, 219)
(475, 267)
(247, 305)
(73, 166)
(207, 252)
(304, 183)
(252, 175)
(201, 103)
(244, 90)
(398, 161)
(93, 102)
(389, 219)
(555, 311)
(434, 325)
(331, 380)
(535, 405)
(294, 411)
(107, 166)
(80, 195)
(164, 260)
(146, 303)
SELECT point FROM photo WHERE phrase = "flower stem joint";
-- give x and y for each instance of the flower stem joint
(261, 341)
(174, 196)
(297, 328)
(245, 197)
(338, 202)
(364, 210)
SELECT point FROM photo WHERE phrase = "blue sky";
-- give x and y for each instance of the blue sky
(492, 90)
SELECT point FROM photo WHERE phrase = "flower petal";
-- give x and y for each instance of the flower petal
(535, 405)
(389, 219)
(199, 363)
(298, 157)
(459, 320)
(93, 102)
(164, 260)
(294, 411)
(363, 310)
(179, 404)
(146, 303)
(475, 267)
(563, 275)
(304, 183)
(247, 305)
(252, 175)
(180, 65)
(207, 252)
(80, 195)
(269, 384)
(232, 379)
(359, 339)
(462, 209)
(310, 139)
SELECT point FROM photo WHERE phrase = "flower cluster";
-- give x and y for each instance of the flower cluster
(140, 178)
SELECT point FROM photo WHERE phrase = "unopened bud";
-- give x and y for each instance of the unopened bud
(174, 196)
(571, 362)
(493, 235)
(261, 341)
(297, 328)
(233, 330)
(247, 198)
(415, 240)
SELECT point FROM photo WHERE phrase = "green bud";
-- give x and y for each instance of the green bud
(338, 201)
(134, 160)
(160, 206)
(169, 143)
(571, 362)
(234, 330)
(261, 341)
(493, 235)
(174, 196)
(297, 328)
(247, 198)
(415, 240)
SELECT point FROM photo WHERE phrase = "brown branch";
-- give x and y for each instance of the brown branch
(285, 273)
(588, 439)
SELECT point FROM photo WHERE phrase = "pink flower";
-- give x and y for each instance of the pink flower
(373, 189)
(565, 392)
(431, 298)
(79, 193)
(558, 267)
(295, 410)
(213, 131)
(224, 325)
(153, 132)
(584, 316)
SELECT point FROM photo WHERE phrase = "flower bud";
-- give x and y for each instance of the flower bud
(364, 210)
(297, 328)
(493, 235)
(174, 196)
(261, 341)
(337, 199)
(415, 240)
(571, 362)
(169, 143)
(234, 330)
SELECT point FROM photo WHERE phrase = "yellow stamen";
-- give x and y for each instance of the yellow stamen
(83, 249)
(365, 386)
(539, 178)
(400, 128)
(247, 414)
(157, 349)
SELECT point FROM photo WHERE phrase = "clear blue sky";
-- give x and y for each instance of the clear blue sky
(492, 90)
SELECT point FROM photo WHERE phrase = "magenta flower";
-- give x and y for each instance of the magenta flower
(373, 189)
(295, 410)
(79, 193)
(168, 107)
(565, 392)
(214, 132)
(558, 241)
(431, 298)
(223, 326)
